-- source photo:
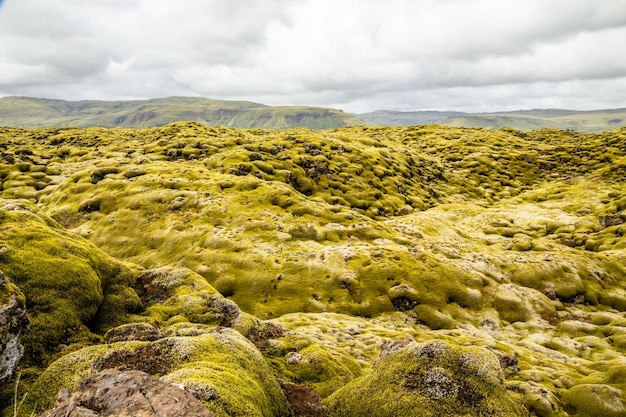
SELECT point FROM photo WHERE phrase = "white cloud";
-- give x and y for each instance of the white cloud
(353, 54)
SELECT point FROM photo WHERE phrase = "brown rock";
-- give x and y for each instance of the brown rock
(125, 394)
(303, 400)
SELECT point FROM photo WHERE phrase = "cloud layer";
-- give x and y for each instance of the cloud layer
(358, 55)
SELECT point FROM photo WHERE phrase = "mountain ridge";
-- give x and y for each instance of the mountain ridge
(29, 112)
(532, 119)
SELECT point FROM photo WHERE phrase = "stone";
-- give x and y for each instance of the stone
(13, 322)
(428, 380)
(127, 393)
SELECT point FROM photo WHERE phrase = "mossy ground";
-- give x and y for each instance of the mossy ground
(348, 238)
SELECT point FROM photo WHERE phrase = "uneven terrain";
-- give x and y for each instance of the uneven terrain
(321, 272)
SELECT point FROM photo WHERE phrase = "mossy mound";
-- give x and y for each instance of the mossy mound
(428, 379)
(600, 394)
(72, 289)
(173, 296)
(220, 368)
(298, 359)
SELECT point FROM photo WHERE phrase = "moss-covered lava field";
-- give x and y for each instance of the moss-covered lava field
(321, 249)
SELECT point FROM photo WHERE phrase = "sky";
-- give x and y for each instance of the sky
(354, 55)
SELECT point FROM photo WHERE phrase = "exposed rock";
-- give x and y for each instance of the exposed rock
(431, 379)
(13, 322)
(608, 221)
(403, 297)
(133, 331)
(293, 358)
(127, 393)
(220, 368)
(303, 400)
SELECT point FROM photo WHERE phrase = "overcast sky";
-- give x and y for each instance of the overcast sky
(355, 55)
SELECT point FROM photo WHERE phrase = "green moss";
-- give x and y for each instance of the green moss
(314, 366)
(559, 278)
(427, 380)
(71, 287)
(480, 210)
(433, 318)
(594, 400)
(220, 368)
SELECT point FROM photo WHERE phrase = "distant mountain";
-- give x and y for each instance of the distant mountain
(408, 118)
(583, 121)
(36, 112)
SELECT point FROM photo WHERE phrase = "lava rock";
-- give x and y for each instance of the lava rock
(127, 393)
(13, 322)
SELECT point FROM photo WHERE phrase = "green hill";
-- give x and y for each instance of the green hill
(581, 121)
(36, 112)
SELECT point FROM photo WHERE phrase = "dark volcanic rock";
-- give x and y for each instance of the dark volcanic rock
(127, 393)
(13, 322)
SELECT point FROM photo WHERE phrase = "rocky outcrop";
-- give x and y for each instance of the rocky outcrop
(127, 393)
(221, 368)
(13, 323)
(175, 295)
(427, 380)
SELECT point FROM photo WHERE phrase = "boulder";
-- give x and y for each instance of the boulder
(221, 368)
(179, 295)
(428, 380)
(126, 394)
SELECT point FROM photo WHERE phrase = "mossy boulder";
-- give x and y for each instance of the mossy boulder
(601, 394)
(179, 295)
(430, 379)
(300, 360)
(72, 289)
(594, 400)
(220, 368)
(515, 303)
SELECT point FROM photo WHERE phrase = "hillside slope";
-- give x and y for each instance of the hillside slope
(35, 112)
(581, 121)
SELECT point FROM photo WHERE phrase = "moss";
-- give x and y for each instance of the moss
(594, 400)
(427, 380)
(433, 318)
(171, 296)
(221, 368)
(561, 279)
(71, 287)
(481, 210)
(315, 367)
